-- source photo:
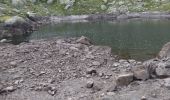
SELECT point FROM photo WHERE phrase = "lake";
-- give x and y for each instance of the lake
(130, 39)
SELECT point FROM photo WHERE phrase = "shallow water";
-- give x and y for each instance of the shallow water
(135, 39)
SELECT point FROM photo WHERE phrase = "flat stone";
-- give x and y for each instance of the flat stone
(124, 79)
(141, 74)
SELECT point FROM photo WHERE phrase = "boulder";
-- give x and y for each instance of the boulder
(163, 70)
(124, 79)
(141, 74)
(13, 21)
(165, 51)
(84, 40)
(16, 26)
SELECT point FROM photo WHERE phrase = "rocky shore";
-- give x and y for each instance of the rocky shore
(75, 69)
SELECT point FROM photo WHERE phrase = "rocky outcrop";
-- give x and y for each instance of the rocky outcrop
(15, 26)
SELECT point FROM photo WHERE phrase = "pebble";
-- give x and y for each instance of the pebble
(13, 63)
(91, 71)
(96, 63)
(89, 84)
(116, 64)
(143, 98)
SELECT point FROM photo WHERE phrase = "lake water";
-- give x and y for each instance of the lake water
(135, 39)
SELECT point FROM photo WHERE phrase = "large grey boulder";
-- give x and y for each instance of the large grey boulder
(163, 69)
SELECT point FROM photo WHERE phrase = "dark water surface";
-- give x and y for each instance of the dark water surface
(136, 39)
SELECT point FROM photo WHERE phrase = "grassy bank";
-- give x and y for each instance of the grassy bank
(78, 7)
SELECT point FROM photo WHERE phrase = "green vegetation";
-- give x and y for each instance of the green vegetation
(70, 7)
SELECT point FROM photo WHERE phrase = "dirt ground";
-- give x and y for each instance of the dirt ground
(67, 69)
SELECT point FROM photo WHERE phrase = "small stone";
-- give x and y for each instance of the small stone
(96, 63)
(124, 79)
(18, 81)
(83, 40)
(116, 64)
(90, 84)
(91, 71)
(132, 61)
(51, 92)
(122, 61)
(141, 74)
(101, 74)
(143, 98)
(111, 93)
(13, 63)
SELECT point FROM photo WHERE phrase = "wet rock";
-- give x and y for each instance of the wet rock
(90, 84)
(84, 40)
(141, 74)
(13, 63)
(91, 71)
(124, 79)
